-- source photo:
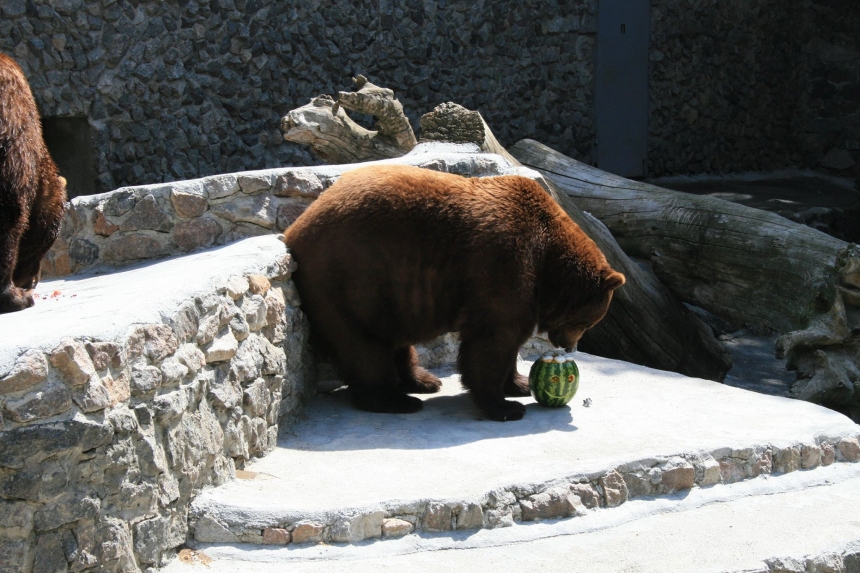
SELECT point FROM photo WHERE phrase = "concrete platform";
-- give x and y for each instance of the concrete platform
(798, 522)
(339, 463)
(103, 303)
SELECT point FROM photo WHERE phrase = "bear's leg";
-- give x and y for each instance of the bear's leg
(517, 384)
(37, 240)
(367, 367)
(12, 218)
(413, 378)
(486, 364)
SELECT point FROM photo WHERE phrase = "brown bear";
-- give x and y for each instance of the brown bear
(393, 255)
(32, 194)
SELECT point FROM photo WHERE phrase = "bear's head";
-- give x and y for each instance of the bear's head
(584, 311)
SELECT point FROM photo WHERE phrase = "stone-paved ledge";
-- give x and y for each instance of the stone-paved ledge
(156, 221)
(122, 395)
(647, 433)
(502, 507)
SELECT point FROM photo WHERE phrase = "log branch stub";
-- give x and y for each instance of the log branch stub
(334, 137)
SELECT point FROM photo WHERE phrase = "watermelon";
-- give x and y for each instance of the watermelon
(554, 379)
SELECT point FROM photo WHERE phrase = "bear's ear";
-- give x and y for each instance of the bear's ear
(612, 280)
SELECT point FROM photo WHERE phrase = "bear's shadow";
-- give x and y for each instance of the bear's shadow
(449, 418)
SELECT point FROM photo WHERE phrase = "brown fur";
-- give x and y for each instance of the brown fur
(391, 256)
(32, 194)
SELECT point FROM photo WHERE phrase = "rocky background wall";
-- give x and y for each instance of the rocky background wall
(188, 88)
(740, 86)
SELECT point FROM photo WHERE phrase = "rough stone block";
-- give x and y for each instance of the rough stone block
(678, 474)
(29, 369)
(207, 530)
(437, 517)
(104, 354)
(258, 284)
(551, 504)
(850, 449)
(17, 515)
(614, 489)
(152, 536)
(38, 483)
(73, 362)
(394, 527)
(256, 209)
(197, 233)
(710, 472)
(255, 311)
(101, 226)
(497, 518)
(155, 341)
(235, 287)
(189, 203)
(224, 347)
(50, 557)
(587, 495)
(145, 380)
(147, 216)
(251, 184)
(20, 443)
(136, 246)
(301, 182)
(49, 401)
(92, 396)
(787, 460)
(308, 532)
(358, 528)
(828, 454)
(275, 536)
(470, 516)
(221, 186)
(15, 555)
(68, 510)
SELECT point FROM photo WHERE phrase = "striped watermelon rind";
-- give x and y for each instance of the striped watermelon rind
(554, 384)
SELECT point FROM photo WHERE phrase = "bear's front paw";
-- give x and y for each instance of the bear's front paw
(386, 402)
(518, 386)
(13, 299)
(506, 411)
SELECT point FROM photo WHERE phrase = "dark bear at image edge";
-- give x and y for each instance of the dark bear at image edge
(391, 256)
(32, 194)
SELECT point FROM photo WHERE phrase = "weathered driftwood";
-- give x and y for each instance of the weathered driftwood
(336, 138)
(646, 324)
(743, 264)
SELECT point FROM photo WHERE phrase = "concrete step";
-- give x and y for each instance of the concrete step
(343, 476)
(804, 521)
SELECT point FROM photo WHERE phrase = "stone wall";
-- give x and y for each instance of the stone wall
(103, 443)
(828, 117)
(724, 86)
(188, 88)
(739, 86)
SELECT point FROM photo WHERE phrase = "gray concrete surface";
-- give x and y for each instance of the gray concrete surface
(805, 518)
(340, 458)
(104, 305)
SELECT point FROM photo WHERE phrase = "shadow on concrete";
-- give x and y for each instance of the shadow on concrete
(447, 420)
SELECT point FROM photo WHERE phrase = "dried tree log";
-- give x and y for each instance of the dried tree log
(743, 264)
(336, 138)
(646, 324)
